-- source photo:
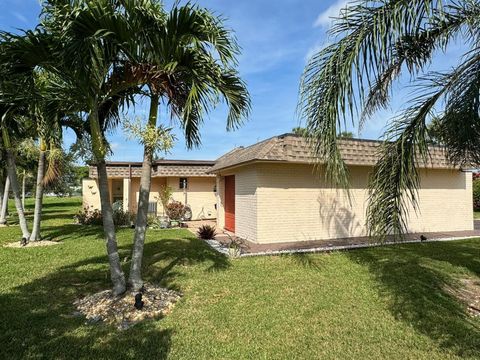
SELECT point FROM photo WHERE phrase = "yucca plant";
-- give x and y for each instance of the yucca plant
(207, 232)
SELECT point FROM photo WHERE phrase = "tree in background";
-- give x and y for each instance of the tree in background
(374, 43)
(301, 131)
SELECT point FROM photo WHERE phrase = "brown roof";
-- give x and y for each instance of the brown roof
(161, 168)
(295, 149)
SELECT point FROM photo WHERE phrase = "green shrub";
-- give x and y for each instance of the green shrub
(88, 216)
(121, 218)
(476, 194)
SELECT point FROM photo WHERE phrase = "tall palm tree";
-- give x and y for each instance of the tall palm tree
(376, 42)
(175, 60)
(91, 34)
(8, 116)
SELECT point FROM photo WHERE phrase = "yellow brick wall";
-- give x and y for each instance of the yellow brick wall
(220, 202)
(294, 204)
(246, 203)
(90, 194)
(200, 196)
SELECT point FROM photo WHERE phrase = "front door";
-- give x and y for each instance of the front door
(230, 203)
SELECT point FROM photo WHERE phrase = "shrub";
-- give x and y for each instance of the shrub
(476, 194)
(207, 232)
(175, 210)
(121, 218)
(87, 216)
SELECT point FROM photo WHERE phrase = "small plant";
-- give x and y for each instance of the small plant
(235, 246)
(121, 218)
(165, 194)
(88, 216)
(206, 232)
(175, 210)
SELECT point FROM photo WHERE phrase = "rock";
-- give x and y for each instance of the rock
(119, 311)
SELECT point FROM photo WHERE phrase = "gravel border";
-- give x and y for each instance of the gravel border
(217, 246)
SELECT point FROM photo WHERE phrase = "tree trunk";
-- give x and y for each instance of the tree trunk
(12, 174)
(2, 187)
(37, 216)
(23, 188)
(135, 280)
(3, 211)
(98, 148)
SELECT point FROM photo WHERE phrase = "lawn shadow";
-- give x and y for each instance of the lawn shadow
(162, 257)
(410, 279)
(37, 319)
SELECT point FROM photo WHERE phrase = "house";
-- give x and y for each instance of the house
(188, 179)
(274, 191)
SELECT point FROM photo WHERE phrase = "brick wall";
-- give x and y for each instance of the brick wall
(294, 204)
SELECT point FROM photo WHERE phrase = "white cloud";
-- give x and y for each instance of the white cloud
(20, 17)
(325, 18)
(315, 49)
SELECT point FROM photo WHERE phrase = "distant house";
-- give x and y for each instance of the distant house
(272, 191)
(188, 179)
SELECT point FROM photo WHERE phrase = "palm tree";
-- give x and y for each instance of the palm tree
(176, 60)
(90, 50)
(8, 115)
(375, 42)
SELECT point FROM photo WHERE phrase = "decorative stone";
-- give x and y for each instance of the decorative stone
(121, 311)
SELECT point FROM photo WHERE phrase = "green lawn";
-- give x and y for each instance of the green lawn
(373, 303)
(476, 215)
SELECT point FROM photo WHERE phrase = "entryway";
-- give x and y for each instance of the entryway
(230, 203)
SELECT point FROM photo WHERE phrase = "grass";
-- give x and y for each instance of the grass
(373, 303)
(476, 215)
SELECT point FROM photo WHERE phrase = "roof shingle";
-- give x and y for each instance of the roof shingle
(295, 149)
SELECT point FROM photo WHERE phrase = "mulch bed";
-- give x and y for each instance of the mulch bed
(103, 307)
(469, 294)
(18, 244)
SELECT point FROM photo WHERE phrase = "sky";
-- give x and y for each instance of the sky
(277, 37)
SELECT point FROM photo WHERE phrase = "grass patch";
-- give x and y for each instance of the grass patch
(374, 303)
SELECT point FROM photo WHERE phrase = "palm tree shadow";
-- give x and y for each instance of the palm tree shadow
(417, 290)
(162, 257)
(37, 318)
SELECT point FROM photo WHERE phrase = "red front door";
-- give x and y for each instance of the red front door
(230, 203)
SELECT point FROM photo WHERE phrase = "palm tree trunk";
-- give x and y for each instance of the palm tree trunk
(99, 150)
(23, 188)
(37, 215)
(135, 279)
(12, 174)
(3, 211)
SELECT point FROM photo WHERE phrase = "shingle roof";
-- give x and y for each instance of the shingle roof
(161, 168)
(295, 149)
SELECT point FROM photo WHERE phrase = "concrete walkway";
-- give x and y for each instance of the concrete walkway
(251, 249)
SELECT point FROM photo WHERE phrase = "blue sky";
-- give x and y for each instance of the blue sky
(276, 37)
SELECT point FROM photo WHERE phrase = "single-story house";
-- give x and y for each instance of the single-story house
(188, 179)
(274, 191)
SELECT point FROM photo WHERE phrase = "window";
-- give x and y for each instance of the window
(183, 183)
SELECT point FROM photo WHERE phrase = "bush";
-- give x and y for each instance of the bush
(121, 218)
(206, 232)
(88, 216)
(175, 210)
(476, 193)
